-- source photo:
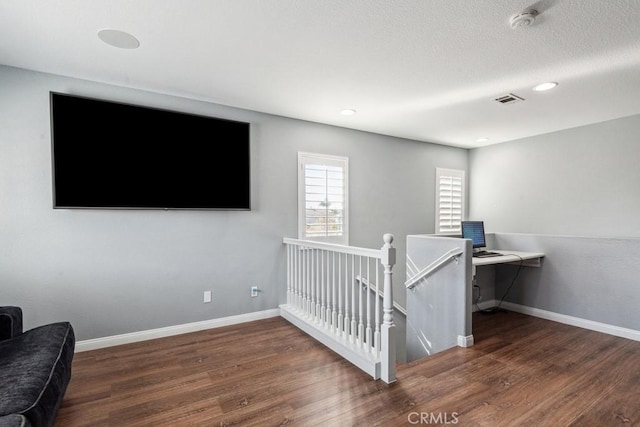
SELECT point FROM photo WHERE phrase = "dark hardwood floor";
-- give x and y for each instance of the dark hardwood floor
(522, 371)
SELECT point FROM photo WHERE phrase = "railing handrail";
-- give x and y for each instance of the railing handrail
(428, 270)
(324, 300)
(372, 286)
(351, 250)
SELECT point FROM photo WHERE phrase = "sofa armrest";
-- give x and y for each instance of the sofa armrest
(14, 420)
(10, 322)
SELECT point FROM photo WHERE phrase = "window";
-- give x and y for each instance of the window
(449, 200)
(322, 198)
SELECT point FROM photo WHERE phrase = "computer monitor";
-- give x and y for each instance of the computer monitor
(474, 230)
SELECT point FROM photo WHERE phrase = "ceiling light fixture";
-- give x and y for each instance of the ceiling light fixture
(348, 112)
(545, 86)
(482, 139)
(117, 38)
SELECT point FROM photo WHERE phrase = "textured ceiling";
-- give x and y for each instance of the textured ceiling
(427, 70)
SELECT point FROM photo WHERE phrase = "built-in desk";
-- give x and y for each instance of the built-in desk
(528, 259)
(525, 259)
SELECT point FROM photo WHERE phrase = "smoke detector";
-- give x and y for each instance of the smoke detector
(526, 18)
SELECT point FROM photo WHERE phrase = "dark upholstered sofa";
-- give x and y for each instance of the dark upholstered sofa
(35, 369)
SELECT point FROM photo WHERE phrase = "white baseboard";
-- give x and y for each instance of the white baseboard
(96, 343)
(567, 320)
(465, 341)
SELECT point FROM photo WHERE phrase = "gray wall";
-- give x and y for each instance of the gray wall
(114, 272)
(578, 182)
(585, 277)
(574, 195)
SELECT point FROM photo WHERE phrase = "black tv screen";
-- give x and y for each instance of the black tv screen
(112, 155)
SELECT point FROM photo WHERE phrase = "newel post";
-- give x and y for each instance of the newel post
(388, 330)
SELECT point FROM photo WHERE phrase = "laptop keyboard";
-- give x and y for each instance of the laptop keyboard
(482, 254)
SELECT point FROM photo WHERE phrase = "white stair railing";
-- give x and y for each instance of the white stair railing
(453, 254)
(325, 298)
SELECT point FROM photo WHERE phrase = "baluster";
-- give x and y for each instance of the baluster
(289, 274)
(377, 332)
(346, 296)
(354, 323)
(360, 310)
(305, 278)
(309, 257)
(318, 287)
(312, 308)
(326, 313)
(296, 278)
(368, 294)
(303, 294)
(291, 263)
(309, 281)
(321, 283)
(340, 314)
(323, 294)
(299, 278)
(319, 272)
(332, 314)
(317, 267)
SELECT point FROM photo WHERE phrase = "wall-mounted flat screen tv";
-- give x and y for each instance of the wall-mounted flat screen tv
(112, 155)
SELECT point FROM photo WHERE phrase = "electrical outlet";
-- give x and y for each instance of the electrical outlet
(254, 291)
(207, 296)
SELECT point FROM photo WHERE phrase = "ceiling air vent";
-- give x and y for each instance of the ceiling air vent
(509, 99)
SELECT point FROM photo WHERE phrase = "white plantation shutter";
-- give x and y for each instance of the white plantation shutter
(322, 197)
(449, 200)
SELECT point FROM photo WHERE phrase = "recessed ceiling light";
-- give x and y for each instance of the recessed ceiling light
(117, 38)
(348, 112)
(545, 86)
(482, 139)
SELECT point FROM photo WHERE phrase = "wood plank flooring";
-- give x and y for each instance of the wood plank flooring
(522, 371)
